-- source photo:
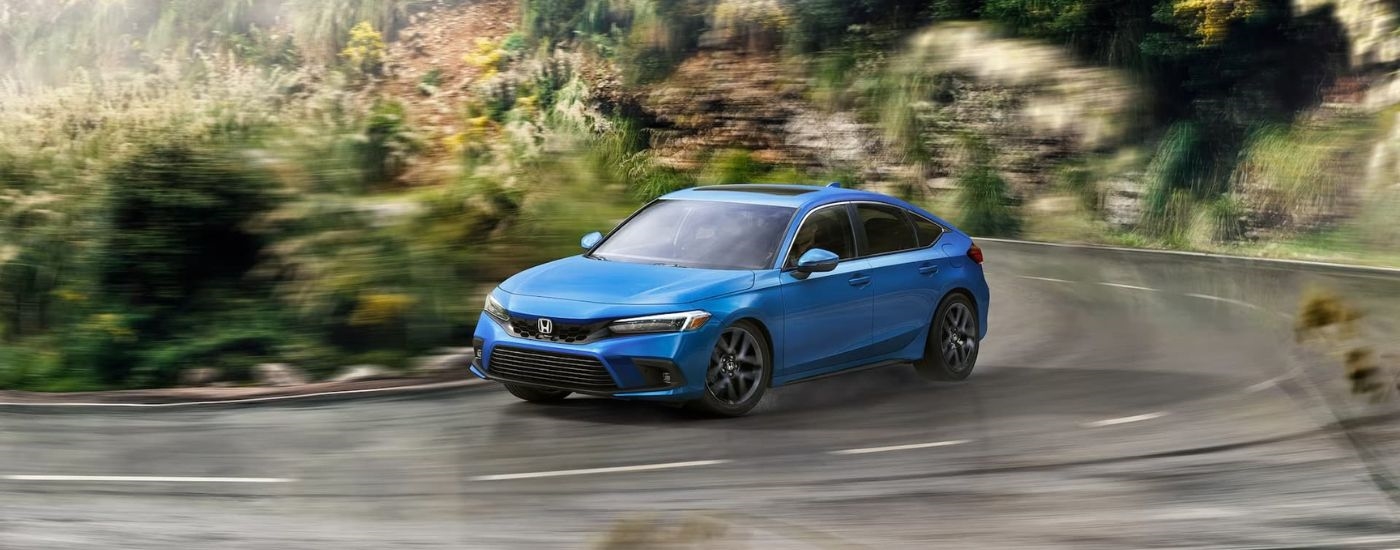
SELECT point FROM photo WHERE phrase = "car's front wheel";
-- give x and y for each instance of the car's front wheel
(741, 366)
(536, 395)
(952, 346)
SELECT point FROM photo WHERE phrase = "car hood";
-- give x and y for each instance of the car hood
(606, 282)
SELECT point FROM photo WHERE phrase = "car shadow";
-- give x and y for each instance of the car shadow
(896, 395)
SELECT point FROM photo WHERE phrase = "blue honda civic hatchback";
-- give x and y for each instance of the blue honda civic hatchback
(711, 295)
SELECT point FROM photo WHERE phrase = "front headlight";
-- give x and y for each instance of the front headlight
(669, 322)
(494, 309)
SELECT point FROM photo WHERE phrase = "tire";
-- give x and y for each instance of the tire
(951, 351)
(740, 370)
(536, 395)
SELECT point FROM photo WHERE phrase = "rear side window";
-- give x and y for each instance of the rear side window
(927, 230)
(887, 229)
(828, 228)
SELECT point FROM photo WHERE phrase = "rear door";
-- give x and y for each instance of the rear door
(828, 315)
(904, 270)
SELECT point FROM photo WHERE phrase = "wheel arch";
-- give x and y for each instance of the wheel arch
(978, 308)
(767, 335)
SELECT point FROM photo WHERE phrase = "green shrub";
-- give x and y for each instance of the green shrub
(1179, 173)
(387, 145)
(178, 223)
(734, 166)
(431, 81)
(984, 198)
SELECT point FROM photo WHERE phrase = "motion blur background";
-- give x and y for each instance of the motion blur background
(221, 183)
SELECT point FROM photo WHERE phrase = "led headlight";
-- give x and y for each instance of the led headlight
(494, 309)
(669, 322)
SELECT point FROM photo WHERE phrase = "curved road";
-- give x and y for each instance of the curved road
(1122, 400)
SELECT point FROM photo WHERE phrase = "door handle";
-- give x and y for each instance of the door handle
(860, 280)
(928, 269)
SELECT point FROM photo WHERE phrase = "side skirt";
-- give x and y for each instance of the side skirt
(872, 366)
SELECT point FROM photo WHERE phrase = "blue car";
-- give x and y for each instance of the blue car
(711, 295)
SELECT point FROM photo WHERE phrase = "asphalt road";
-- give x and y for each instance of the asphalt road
(1121, 401)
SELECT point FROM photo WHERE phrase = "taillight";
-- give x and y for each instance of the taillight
(975, 252)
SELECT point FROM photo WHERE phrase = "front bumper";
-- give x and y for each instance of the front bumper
(634, 363)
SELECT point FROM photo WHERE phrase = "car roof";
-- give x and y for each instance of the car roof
(796, 196)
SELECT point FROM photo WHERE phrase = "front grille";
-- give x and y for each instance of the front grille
(561, 370)
(568, 333)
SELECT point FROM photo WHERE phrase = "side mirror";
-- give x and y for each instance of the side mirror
(591, 240)
(817, 260)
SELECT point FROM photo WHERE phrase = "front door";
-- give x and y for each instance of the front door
(828, 315)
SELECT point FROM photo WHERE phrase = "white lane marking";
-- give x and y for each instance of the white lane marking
(1129, 287)
(1224, 300)
(586, 471)
(1050, 279)
(1262, 386)
(390, 389)
(149, 479)
(869, 450)
(1123, 420)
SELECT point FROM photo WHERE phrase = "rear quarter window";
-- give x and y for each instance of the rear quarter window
(928, 232)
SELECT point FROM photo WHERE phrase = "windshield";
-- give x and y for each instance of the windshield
(703, 234)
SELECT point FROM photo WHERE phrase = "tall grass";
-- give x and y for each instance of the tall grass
(986, 203)
(1293, 172)
(48, 42)
(1180, 172)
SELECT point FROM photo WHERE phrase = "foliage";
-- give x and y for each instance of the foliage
(647, 37)
(387, 144)
(1333, 324)
(1182, 171)
(365, 52)
(986, 205)
(824, 25)
(1211, 18)
(46, 42)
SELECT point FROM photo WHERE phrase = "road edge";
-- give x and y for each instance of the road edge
(1224, 258)
(431, 386)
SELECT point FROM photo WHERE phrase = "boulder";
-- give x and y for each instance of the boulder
(356, 373)
(200, 376)
(453, 359)
(278, 374)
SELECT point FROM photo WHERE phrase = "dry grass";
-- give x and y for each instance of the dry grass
(1333, 324)
(647, 532)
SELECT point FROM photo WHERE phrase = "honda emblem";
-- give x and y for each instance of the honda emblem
(546, 326)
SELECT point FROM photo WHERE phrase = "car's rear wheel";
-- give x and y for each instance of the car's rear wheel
(536, 395)
(952, 346)
(741, 366)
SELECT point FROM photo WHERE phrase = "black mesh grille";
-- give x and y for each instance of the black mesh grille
(567, 333)
(561, 370)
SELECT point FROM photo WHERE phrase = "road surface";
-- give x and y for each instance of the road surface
(1122, 400)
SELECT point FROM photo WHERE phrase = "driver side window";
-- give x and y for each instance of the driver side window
(828, 228)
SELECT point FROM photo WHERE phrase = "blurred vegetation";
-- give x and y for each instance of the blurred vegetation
(221, 183)
(1334, 325)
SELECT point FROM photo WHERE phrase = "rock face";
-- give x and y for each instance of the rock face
(719, 100)
(1032, 103)
(1370, 27)
(278, 374)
